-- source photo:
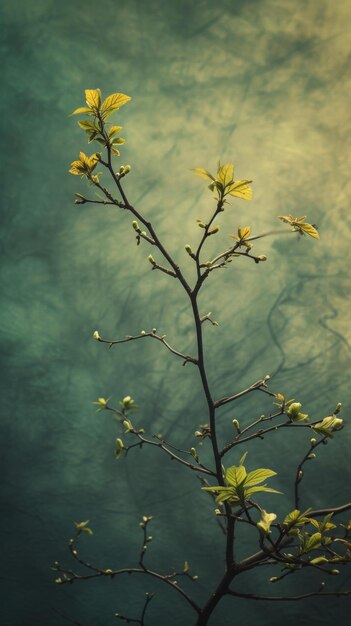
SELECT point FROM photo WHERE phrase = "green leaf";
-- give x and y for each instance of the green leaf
(87, 125)
(318, 560)
(296, 518)
(242, 460)
(200, 171)
(266, 520)
(81, 110)
(114, 130)
(258, 476)
(240, 189)
(119, 141)
(225, 174)
(113, 102)
(310, 230)
(256, 489)
(327, 425)
(93, 98)
(235, 476)
(313, 542)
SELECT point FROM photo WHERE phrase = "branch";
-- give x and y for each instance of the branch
(161, 338)
(260, 383)
(253, 596)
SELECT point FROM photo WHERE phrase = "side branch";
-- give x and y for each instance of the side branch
(161, 338)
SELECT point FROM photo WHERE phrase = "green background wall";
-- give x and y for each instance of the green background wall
(263, 83)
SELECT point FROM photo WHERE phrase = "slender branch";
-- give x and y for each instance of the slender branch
(253, 596)
(153, 335)
(259, 383)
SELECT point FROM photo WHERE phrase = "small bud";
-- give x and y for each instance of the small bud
(108, 572)
(201, 224)
(338, 408)
(127, 169)
(154, 331)
(334, 572)
(236, 425)
(58, 581)
(151, 259)
(213, 230)
(96, 335)
(273, 579)
(135, 225)
(262, 257)
(194, 454)
(311, 456)
(121, 169)
(313, 441)
(143, 332)
(188, 249)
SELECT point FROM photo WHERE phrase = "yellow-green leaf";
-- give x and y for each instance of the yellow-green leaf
(114, 130)
(81, 110)
(310, 230)
(244, 233)
(225, 174)
(266, 520)
(258, 476)
(93, 98)
(200, 171)
(235, 475)
(240, 189)
(114, 102)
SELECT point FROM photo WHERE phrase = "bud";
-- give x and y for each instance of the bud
(135, 225)
(313, 441)
(151, 259)
(188, 249)
(262, 257)
(201, 224)
(194, 454)
(154, 331)
(96, 335)
(338, 408)
(236, 425)
(334, 572)
(127, 169)
(213, 230)
(121, 169)
(143, 332)
(127, 402)
(311, 456)
(273, 579)
(108, 571)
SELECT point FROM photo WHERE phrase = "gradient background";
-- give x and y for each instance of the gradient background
(263, 83)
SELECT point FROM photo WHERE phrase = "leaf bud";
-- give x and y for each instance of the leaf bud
(135, 225)
(313, 441)
(338, 408)
(213, 230)
(127, 169)
(151, 259)
(194, 454)
(262, 257)
(311, 456)
(143, 332)
(273, 579)
(236, 425)
(334, 572)
(188, 249)
(96, 335)
(108, 572)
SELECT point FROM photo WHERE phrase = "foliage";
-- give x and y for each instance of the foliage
(299, 541)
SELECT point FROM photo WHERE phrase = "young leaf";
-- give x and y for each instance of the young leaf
(235, 476)
(200, 171)
(240, 189)
(113, 102)
(258, 476)
(266, 520)
(93, 98)
(225, 174)
(81, 110)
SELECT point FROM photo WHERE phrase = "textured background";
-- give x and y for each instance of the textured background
(264, 83)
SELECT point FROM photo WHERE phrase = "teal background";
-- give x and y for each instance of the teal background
(264, 84)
